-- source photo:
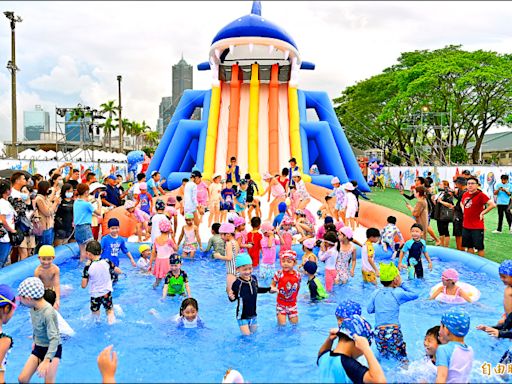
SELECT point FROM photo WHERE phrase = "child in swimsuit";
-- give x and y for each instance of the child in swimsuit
(347, 309)
(48, 272)
(285, 234)
(227, 232)
(449, 291)
(388, 235)
(286, 283)
(7, 307)
(241, 234)
(246, 288)
(176, 280)
(329, 255)
(346, 255)
(268, 250)
(189, 314)
(164, 247)
(307, 247)
(190, 233)
(415, 248)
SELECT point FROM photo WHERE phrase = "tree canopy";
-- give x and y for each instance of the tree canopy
(428, 103)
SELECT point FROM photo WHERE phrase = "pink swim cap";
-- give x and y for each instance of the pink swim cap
(347, 232)
(266, 226)
(309, 243)
(143, 186)
(129, 204)
(227, 228)
(450, 274)
(238, 221)
(164, 225)
(339, 225)
(171, 211)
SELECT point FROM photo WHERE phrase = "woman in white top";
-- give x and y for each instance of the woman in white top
(214, 189)
(7, 215)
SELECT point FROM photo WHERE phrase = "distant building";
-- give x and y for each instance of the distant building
(182, 79)
(35, 122)
(496, 148)
(165, 113)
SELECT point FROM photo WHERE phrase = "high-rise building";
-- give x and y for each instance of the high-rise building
(35, 122)
(165, 112)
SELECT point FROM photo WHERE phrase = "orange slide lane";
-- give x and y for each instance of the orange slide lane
(273, 121)
(234, 113)
(370, 214)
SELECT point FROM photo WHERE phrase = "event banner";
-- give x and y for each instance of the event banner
(403, 177)
(44, 166)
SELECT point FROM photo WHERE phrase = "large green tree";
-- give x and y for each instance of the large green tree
(429, 102)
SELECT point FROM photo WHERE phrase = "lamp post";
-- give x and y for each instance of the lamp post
(11, 66)
(119, 78)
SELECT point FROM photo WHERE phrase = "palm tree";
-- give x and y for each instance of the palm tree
(135, 131)
(151, 138)
(110, 108)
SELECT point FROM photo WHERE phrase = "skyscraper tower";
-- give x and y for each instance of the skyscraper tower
(182, 78)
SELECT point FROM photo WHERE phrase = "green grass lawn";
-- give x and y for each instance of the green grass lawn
(497, 246)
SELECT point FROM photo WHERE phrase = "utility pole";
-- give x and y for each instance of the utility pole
(119, 78)
(11, 65)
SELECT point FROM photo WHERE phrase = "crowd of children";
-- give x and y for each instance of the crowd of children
(267, 248)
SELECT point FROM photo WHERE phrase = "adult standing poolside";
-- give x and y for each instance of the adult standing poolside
(444, 212)
(502, 192)
(420, 210)
(46, 204)
(475, 204)
(190, 195)
(83, 210)
(7, 215)
(154, 185)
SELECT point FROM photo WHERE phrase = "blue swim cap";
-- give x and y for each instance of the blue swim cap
(282, 207)
(7, 295)
(356, 325)
(348, 308)
(506, 268)
(243, 259)
(457, 321)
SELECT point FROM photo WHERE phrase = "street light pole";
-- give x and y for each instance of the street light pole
(11, 65)
(119, 78)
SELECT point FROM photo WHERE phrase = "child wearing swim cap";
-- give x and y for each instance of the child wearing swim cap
(316, 288)
(454, 360)
(47, 348)
(246, 288)
(347, 309)
(286, 283)
(268, 244)
(414, 249)
(503, 329)
(176, 280)
(307, 246)
(113, 244)
(340, 365)
(163, 248)
(449, 291)
(48, 272)
(7, 308)
(189, 314)
(227, 232)
(145, 254)
(329, 255)
(385, 303)
(190, 233)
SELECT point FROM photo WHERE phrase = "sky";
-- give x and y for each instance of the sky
(71, 52)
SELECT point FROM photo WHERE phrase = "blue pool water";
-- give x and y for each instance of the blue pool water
(151, 349)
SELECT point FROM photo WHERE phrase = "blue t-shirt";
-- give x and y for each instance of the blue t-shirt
(110, 247)
(277, 220)
(82, 212)
(502, 198)
(113, 195)
(145, 203)
(340, 368)
(385, 303)
(241, 198)
(151, 184)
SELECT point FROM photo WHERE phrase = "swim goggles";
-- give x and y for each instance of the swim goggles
(4, 299)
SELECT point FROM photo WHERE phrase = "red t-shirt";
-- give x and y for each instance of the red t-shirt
(288, 284)
(254, 252)
(474, 204)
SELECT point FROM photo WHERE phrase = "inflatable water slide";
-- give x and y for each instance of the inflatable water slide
(256, 112)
